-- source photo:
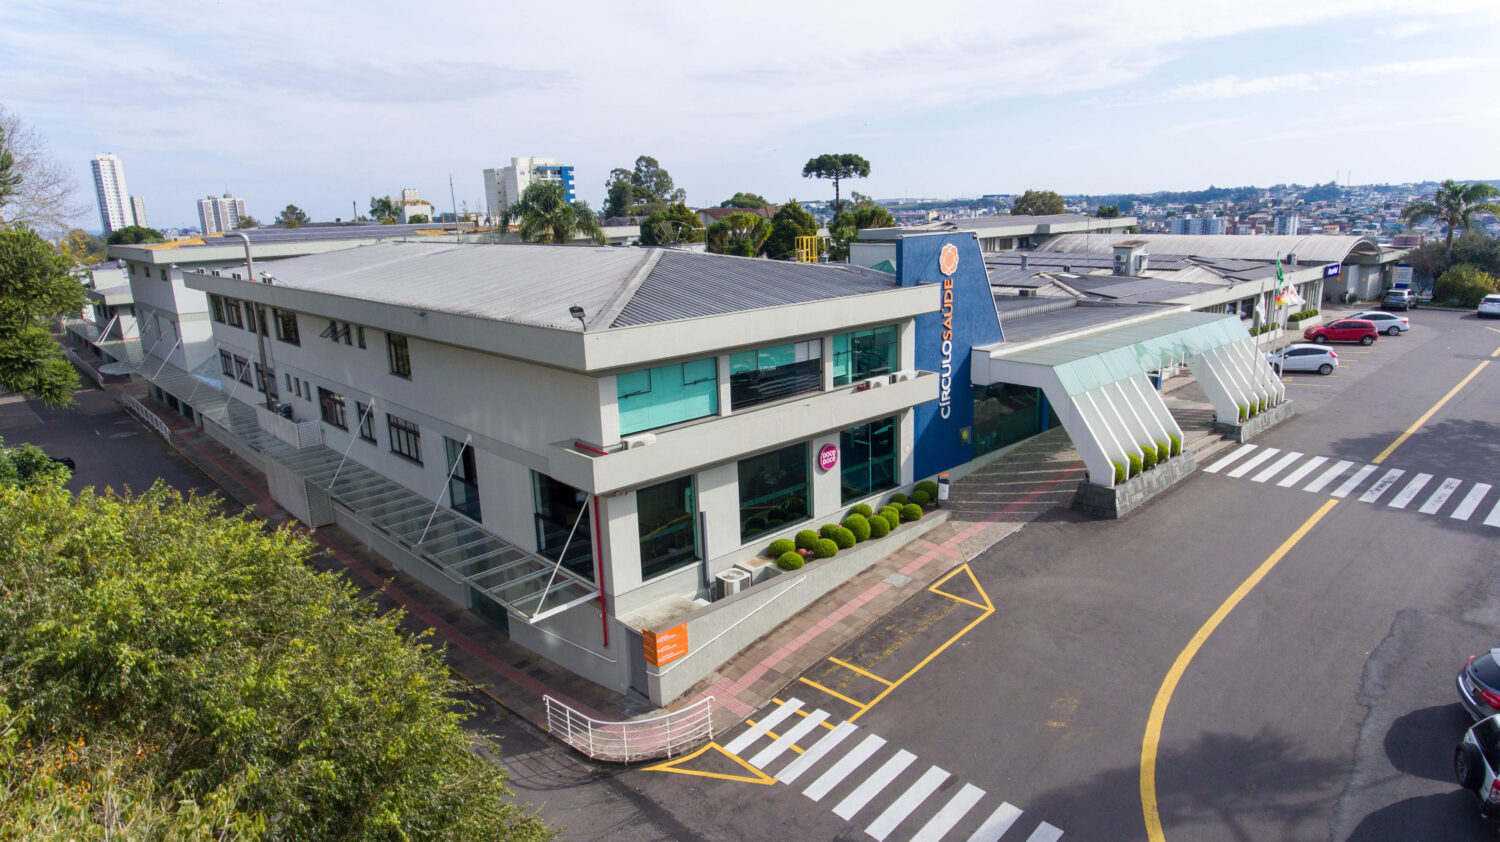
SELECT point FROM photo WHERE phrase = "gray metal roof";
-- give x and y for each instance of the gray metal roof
(537, 284)
(1030, 327)
(686, 285)
(1314, 248)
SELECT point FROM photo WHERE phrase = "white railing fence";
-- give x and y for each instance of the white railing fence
(140, 411)
(631, 741)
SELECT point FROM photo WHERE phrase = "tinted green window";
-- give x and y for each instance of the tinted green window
(668, 520)
(768, 374)
(867, 454)
(865, 353)
(773, 490)
(667, 395)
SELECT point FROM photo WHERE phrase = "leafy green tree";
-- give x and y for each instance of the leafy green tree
(787, 225)
(206, 681)
(1038, 203)
(644, 190)
(1465, 285)
(35, 290)
(132, 234)
(385, 210)
(846, 226)
(742, 234)
(25, 465)
(82, 248)
(248, 221)
(619, 194)
(418, 218)
(836, 168)
(675, 224)
(745, 200)
(1108, 212)
(1454, 205)
(292, 217)
(543, 215)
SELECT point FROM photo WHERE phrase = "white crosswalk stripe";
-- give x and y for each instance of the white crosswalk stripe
(1470, 502)
(1353, 482)
(1276, 467)
(1407, 494)
(878, 788)
(1493, 518)
(1229, 458)
(1381, 485)
(1306, 468)
(1328, 476)
(1250, 464)
(1440, 496)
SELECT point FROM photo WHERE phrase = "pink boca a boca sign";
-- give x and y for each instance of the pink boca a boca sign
(828, 456)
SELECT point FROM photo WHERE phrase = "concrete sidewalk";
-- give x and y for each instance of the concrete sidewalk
(992, 502)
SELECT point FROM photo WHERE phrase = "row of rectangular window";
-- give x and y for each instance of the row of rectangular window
(672, 394)
(250, 316)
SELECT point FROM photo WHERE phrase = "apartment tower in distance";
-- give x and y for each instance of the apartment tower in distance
(216, 216)
(115, 211)
(138, 210)
(503, 186)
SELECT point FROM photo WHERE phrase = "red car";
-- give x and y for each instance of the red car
(1344, 330)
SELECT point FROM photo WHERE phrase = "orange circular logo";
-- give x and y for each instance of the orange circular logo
(948, 259)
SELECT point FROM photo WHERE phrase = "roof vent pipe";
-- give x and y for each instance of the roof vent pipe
(1291, 258)
(1025, 263)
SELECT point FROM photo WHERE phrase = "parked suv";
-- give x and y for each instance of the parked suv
(1399, 299)
(1343, 330)
(1475, 762)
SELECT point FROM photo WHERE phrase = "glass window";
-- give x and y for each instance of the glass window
(226, 363)
(360, 332)
(332, 406)
(667, 395)
(250, 310)
(463, 487)
(868, 456)
(406, 438)
(216, 308)
(286, 327)
(866, 353)
(399, 353)
(366, 422)
(773, 490)
(668, 525)
(232, 313)
(242, 369)
(262, 380)
(558, 509)
(768, 374)
(1005, 414)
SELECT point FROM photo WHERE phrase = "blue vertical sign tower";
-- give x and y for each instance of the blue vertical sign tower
(952, 265)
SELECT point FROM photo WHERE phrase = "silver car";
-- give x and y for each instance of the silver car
(1303, 356)
(1389, 324)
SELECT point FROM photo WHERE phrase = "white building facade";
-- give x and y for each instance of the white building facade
(138, 211)
(217, 215)
(115, 211)
(503, 186)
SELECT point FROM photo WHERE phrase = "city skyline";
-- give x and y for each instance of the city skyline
(1099, 100)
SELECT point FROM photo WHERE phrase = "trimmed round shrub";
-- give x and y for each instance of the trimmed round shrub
(1135, 465)
(899, 499)
(826, 548)
(929, 487)
(827, 530)
(782, 546)
(879, 526)
(789, 561)
(859, 525)
(1176, 444)
(911, 511)
(1119, 472)
(860, 509)
(1162, 452)
(890, 510)
(1148, 458)
(920, 497)
(806, 540)
(843, 537)
(892, 520)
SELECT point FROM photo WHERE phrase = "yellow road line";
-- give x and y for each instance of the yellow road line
(801, 712)
(925, 661)
(964, 601)
(1152, 739)
(837, 695)
(1429, 413)
(775, 736)
(865, 673)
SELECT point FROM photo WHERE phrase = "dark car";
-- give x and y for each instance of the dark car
(1343, 330)
(1479, 685)
(1399, 299)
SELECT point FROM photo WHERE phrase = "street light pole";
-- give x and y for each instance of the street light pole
(267, 374)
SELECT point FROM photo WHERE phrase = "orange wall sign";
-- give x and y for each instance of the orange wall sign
(665, 647)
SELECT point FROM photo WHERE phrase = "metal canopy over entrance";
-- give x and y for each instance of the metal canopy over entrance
(1097, 383)
(529, 586)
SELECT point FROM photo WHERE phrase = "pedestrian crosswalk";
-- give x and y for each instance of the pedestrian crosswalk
(1375, 484)
(874, 778)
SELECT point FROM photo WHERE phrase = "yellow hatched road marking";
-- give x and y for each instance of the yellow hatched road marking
(802, 713)
(775, 736)
(865, 673)
(1429, 413)
(837, 695)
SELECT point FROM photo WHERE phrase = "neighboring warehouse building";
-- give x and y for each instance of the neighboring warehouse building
(995, 232)
(1197, 226)
(115, 211)
(220, 215)
(503, 186)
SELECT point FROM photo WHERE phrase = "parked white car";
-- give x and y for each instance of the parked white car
(1389, 324)
(1489, 306)
(1475, 761)
(1303, 356)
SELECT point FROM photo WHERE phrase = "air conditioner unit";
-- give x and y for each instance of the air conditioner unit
(902, 376)
(874, 383)
(730, 582)
(642, 440)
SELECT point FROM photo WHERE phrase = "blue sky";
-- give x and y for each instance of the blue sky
(322, 103)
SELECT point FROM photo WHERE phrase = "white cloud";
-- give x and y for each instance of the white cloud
(1225, 87)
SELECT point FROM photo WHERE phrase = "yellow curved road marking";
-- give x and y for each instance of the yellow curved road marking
(1164, 695)
(1429, 413)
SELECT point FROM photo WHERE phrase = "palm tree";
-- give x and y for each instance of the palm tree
(545, 216)
(1454, 205)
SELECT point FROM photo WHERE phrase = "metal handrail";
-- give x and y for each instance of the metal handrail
(633, 740)
(146, 415)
